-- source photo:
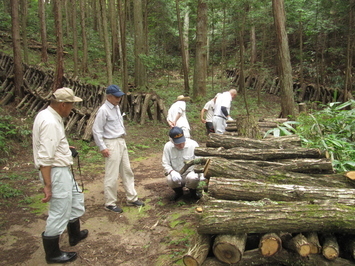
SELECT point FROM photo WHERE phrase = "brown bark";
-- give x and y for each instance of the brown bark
(228, 141)
(231, 217)
(244, 189)
(258, 154)
(313, 240)
(229, 248)
(330, 246)
(299, 244)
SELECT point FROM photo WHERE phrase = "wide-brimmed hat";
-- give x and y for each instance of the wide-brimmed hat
(177, 135)
(66, 95)
(182, 98)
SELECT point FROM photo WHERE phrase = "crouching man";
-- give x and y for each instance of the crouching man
(176, 151)
(53, 159)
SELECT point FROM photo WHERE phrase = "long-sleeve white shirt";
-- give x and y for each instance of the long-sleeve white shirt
(173, 158)
(50, 145)
(108, 124)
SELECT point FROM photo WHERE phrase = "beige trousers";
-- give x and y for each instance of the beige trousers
(117, 164)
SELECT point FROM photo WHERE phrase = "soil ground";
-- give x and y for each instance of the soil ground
(156, 234)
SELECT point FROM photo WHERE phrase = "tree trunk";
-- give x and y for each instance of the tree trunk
(24, 13)
(260, 154)
(200, 68)
(197, 254)
(103, 12)
(140, 74)
(299, 244)
(16, 42)
(231, 217)
(330, 247)
(287, 97)
(84, 60)
(42, 18)
(244, 189)
(58, 78)
(270, 244)
(75, 39)
(122, 9)
(228, 141)
(229, 248)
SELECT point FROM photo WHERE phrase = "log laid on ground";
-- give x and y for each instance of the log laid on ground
(228, 141)
(198, 252)
(330, 247)
(313, 241)
(270, 244)
(221, 167)
(229, 248)
(252, 190)
(259, 154)
(287, 258)
(265, 216)
(299, 244)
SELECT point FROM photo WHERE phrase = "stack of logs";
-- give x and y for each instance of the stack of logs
(272, 202)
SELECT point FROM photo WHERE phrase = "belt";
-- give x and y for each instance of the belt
(221, 117)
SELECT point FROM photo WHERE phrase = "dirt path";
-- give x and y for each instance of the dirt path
(157, 234)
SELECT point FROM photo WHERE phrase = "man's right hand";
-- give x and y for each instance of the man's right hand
(105, 153)
(47, 190)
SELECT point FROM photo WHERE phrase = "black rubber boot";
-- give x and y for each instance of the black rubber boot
(178, 193)
(75, 235)
(194, 195)
(53, 253)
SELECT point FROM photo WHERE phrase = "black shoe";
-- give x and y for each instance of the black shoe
(53, 252)
(178, 193)
(194, 195)
(75, 235)
(114, 209)
(136, 203)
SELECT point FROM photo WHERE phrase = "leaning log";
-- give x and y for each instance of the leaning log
(313, 240)
(198, 252)
(244, 189)
(220, 167)
(298, 244)
(233, 217)
(229, 248)
(330, 246)
(260, 154)
(228, 141)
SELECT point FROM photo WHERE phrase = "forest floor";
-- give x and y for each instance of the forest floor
(156, 234)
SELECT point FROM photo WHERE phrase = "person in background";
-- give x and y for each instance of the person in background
(109, 135)
(209, 110)
(177, 115)
(176, 151)
(222, 111)
(53, 158)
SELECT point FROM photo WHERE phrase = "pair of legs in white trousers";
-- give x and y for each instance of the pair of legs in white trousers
(117, 164)
(190, 180)
(219, 124)
(67, 202)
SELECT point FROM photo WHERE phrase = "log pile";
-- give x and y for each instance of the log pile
(139, 107)
(272, 202)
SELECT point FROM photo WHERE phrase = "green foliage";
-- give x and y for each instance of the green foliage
(284, 129)
(6, 191)
(331, 130)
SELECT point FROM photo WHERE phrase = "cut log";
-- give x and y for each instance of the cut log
(299, 244)
(259, 154)
(330, 246)
(233, 217)
(228, 141)
(229, 248)
(244, 189)
(313, 241)
(221, 167)
(270, 244)
(198, 252)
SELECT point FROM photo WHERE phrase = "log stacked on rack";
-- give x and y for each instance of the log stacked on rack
(138, 107)
(272, 202)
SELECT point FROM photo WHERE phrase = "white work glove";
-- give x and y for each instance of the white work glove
(175, 176)
(230, 119)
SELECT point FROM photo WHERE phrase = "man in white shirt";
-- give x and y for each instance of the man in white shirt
(209, 110)
(109, 135)
(177, 115)
(176, 151)
(53, 158)
(222, 111)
